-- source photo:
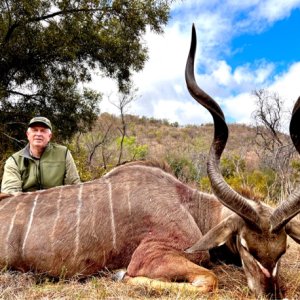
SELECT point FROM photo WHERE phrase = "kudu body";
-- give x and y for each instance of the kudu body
(142, 218)
(137, 216)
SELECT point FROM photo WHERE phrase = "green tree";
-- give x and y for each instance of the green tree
(182, 167)
(134, 150)
(230, 166)
(124, 100)
(48, 49)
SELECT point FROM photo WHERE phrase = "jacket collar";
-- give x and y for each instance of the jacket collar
(26, 151)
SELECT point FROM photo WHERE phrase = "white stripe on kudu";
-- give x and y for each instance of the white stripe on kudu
(53, 237)
(29, 223)
(94, 212)
(11, 226)
(78, 219)
(112, 217)
(128, 199)
(6, 203)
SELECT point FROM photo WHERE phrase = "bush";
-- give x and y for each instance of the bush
(182, 168)
(132, 149)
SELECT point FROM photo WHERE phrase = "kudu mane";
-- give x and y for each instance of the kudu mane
(163, 165)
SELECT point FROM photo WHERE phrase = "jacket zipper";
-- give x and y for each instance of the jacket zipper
(38, 175)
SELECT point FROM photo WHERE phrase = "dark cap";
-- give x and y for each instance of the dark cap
(40, 120)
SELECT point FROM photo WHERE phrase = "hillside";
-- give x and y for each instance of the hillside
(246, 165)
(162, 136)
(166, 137)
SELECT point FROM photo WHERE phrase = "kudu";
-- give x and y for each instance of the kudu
(140, 217)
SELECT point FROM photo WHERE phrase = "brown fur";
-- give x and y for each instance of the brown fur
(163, 165)
(137, 217)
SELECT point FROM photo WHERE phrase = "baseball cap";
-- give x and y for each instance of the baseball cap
(41, 120)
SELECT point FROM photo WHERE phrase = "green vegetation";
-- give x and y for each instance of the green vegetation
(134, 151)
(182, 168)
(185, 149)
(244, 165)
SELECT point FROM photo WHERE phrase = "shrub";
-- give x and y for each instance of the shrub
(182, 168)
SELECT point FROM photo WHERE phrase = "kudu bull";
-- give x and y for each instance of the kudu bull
(142, 218)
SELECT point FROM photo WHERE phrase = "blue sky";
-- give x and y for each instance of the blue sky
(242, 46)
(280, 43)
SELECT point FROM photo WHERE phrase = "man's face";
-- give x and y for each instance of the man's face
(38, 136)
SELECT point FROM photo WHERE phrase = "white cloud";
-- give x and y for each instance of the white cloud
(167, 55)
(287, 85)
(172, 110)
(223, 73)
(274, 10)
(239, 108)
(256, 76)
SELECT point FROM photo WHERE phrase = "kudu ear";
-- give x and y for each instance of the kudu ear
(218, 235)
(293, 230)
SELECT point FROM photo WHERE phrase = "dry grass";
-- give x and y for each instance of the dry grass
(232, 285)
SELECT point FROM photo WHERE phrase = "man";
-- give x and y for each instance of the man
(41, 164)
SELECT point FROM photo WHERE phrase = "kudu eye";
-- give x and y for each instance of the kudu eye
(280, 255)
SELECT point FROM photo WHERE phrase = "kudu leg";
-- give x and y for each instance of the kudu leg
(160, 285)
(160, 270)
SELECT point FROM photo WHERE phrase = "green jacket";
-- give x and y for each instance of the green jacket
(23, 173)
